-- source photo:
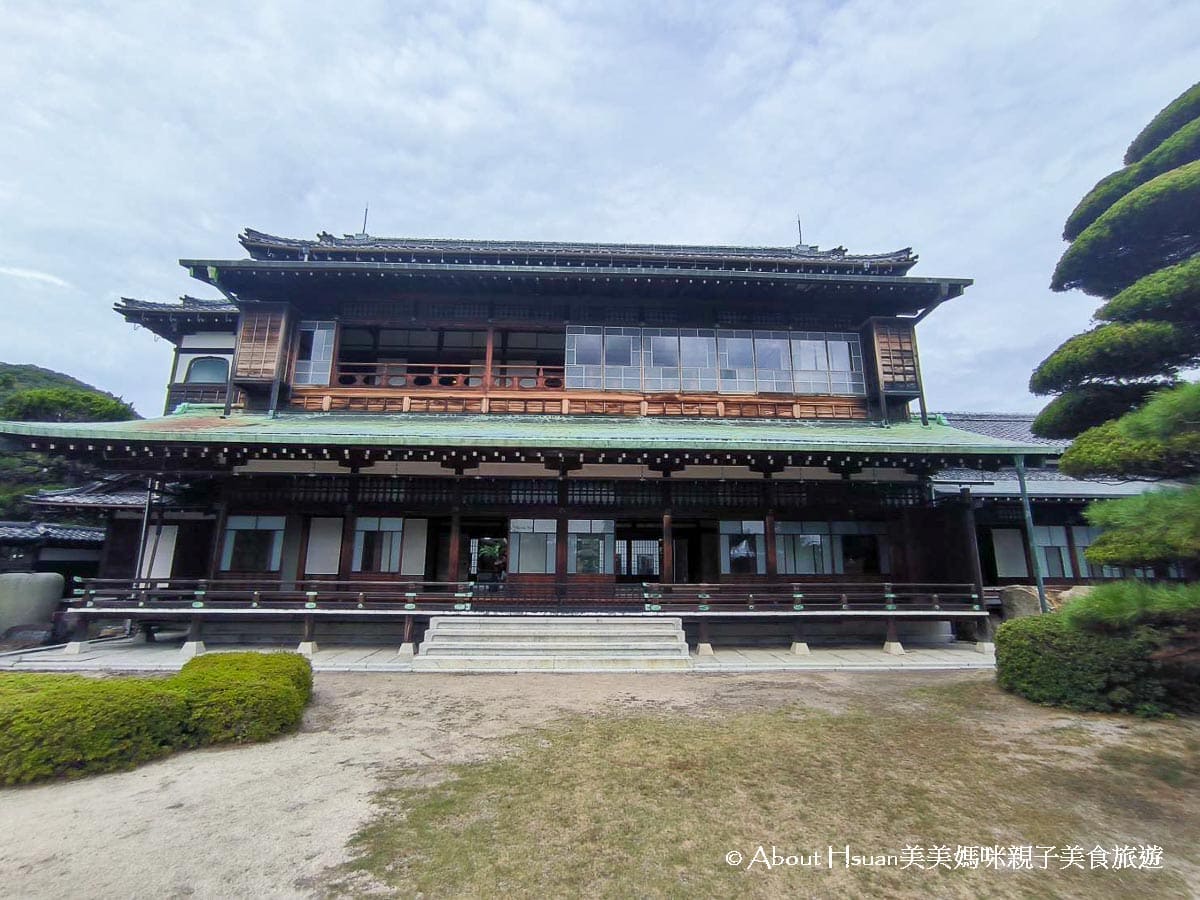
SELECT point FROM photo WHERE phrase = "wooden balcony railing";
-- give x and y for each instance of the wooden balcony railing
(204, 597)
(447, 377)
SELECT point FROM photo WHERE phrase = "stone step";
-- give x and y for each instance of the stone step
(564, 621)
(541, 631)
(558, 640)
(493, 664)
(597, 641)
(557, 652)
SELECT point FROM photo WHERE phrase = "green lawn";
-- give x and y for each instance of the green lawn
(649, 805)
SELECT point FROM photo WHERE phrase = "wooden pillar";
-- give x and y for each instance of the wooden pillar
(772, 549)
(488, 354)
(769, 526)
(667, 575)
(560, 532)
(971, 535)
(560, 548)
(454, 558)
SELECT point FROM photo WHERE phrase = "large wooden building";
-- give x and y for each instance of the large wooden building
(368, 431)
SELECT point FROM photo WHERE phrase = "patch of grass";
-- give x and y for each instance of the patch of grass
(649, 805)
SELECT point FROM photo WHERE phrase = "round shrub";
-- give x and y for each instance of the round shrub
(52, 726)
(1043, 659)
(290, 666)
(244, 697)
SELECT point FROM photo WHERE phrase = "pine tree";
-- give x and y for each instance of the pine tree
(1135, 242)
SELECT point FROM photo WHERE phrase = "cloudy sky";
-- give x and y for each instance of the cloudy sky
(138, 133)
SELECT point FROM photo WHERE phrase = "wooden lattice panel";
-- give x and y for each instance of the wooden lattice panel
(896, 350)
(260, 345)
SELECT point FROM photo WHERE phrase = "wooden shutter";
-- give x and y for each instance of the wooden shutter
(896, 351)
(260, 345)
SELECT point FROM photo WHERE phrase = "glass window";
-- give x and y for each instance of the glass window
(735, 359)
(809, 356)
(1051, 543)
(587, 349)
(618, 350)
(773, 362)
(698, 360)
(664, 352)
(531, 546)
(253, 544)
(742, 551)
(314, 356)
(590, 549)
(377, 544)
(208, 370)
(803, 548)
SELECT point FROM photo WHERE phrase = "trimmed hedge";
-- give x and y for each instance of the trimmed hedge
(1043, 659)
(64, 727)
(1089, 405)
(1156, 224)
(68, 725)
(1170, 119)
(1180, 148)
(1116, 350)
(244, 697)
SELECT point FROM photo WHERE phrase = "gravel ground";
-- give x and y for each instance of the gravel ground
(269, 820)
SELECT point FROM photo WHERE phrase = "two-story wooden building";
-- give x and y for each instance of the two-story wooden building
(364, 425)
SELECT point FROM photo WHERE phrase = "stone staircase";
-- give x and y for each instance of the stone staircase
(552, 643)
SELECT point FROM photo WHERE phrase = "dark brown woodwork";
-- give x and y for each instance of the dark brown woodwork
(454, 557)
(667, 573)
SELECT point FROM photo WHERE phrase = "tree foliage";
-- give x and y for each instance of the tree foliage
(1135, 241)
(1154, 225)
(1159, 440)
(1155, 527)
(1174, 116)
(26, 473)
(1168, 295)
(1180, 148)
(1118, 350)
(64, 404)
(1088, 405)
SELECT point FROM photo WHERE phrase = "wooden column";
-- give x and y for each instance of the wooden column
(560, 534)
(454, 557)
(769, 537)
(667, 575)
(488, 355)
(972, 538)
(769, 528)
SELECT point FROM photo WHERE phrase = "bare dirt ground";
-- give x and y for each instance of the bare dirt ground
(273, 820)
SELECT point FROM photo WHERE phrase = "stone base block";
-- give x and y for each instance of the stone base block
(191, 648)
(985, 647)
(799, 648)
(893, 647)
(704, 650)
(307, 648)
(407, 650)
(74, 648)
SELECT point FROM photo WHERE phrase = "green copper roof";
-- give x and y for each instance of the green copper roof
(196, 425)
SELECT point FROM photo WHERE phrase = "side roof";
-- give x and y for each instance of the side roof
(171, 320)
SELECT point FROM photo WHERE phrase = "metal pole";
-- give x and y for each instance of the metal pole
(1033, 550)
(141, 551)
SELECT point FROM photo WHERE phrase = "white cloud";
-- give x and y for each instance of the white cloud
(967, 130)
(33, 275)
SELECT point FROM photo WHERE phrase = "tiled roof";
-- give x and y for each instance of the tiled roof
(49, 532)
(1042, 482)
(206, 425)
(255, 241)
(185, 304)
(1005, 426)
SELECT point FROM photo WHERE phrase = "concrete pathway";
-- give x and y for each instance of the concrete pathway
(134, 656)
